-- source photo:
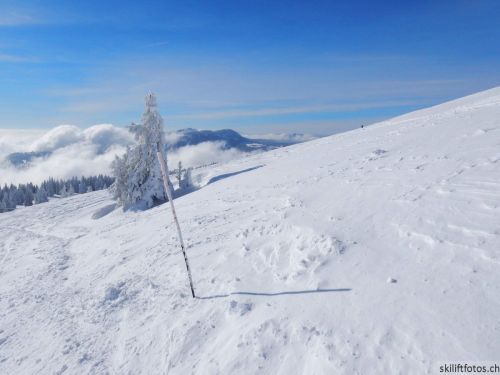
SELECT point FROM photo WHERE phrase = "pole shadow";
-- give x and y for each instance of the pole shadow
(226, 175)
(181, 192)
(293, 292)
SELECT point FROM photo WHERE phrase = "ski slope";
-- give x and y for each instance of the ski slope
(371, 251)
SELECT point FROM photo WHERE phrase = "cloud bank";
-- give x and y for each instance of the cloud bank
(73, 151)
(202, 154)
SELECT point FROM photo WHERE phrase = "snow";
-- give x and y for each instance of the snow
(293, 254)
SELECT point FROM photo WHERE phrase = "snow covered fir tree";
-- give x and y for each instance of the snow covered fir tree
(138, 179)
(183, 177)
(28, 194)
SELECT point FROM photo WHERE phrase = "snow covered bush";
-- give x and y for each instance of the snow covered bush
(138, 179)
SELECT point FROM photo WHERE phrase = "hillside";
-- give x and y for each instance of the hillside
(292, 253)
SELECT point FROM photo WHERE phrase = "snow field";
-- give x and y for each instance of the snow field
(291, 253)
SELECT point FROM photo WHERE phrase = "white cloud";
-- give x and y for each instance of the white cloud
(101, 136)
(172, 137)
(14, 140)
(105, 136)
(60, 136)
(74, 151)
(76, 160)
(202, 154)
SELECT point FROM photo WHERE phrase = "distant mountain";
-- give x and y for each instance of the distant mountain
(23, 159)
(230, 138)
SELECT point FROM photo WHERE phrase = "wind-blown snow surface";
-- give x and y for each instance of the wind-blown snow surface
(291, 252)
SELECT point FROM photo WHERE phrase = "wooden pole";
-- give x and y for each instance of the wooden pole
(166, 185)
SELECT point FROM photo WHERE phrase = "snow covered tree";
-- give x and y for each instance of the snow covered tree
(11, 201)
(51, 187)
(179, 174)
(63, 192)
(120, 171)
(18, 194)
(28, 196)
(137, 173)
(81, 187)
(186, 181)
(41, 196)
(3, 205)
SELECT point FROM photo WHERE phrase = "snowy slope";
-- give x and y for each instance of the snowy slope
(291, 251)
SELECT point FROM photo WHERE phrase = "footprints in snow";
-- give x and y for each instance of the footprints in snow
(240, 308)
(288, 251)
(377, 154)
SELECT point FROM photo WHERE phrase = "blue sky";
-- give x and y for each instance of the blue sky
(254, 66)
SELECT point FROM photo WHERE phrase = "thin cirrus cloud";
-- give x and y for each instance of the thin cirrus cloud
(29, 13)
(13, 18)
(189, 90)
(16, 58)
(24, 14)
(295, 110)
(187, 100)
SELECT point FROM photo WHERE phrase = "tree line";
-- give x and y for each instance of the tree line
(29, 194)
